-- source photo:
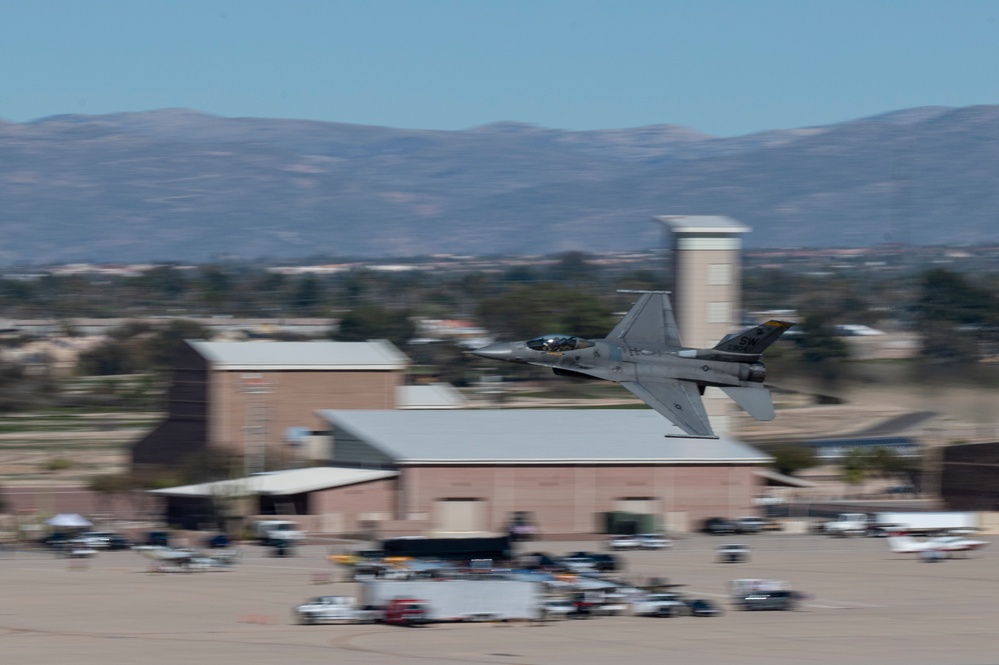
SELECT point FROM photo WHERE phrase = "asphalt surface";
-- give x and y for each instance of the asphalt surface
(865, 605)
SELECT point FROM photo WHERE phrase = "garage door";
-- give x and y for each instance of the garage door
(459, 515)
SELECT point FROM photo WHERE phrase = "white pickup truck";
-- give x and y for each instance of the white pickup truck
(334, 608)
(660, 605)
(846, 524)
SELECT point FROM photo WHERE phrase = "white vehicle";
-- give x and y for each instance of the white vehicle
(333, 608)
(733, 553)
(269, 531)
(659, 605)
(945, 545)
(846, 524)
(623, 542)
(557, 608)
(462, 600)
(926, 523)
(653, 541)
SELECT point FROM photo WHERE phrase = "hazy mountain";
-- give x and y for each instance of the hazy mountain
(182, 185)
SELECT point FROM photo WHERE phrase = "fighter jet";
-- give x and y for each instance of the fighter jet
(644, 354)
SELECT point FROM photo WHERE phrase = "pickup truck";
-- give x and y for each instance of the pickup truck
(846, 524)
(334, 608)
(660, 605)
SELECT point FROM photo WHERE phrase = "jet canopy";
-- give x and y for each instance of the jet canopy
(558, 343)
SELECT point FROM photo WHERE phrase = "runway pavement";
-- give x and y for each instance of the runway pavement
(865, 605)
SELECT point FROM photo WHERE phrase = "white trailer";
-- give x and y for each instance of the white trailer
(461, 600)
(881, 524)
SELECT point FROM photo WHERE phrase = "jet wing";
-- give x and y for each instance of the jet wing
(678, 401)
(649, 324)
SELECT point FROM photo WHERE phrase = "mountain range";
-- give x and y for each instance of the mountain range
(180, 185)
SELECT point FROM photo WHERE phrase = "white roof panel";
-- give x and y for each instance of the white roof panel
(433, 396)
(295, 481)
(374, 354)
(536, 436)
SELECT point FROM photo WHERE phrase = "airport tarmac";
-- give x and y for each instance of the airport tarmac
(865, 605)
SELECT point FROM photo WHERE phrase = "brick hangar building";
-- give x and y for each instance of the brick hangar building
(465, 471)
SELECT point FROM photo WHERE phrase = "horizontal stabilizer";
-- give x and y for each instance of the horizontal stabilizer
(754, 401)
(755, 340)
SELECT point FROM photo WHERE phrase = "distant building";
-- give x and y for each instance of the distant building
(969, 476)
(242, 397)
(464, 472)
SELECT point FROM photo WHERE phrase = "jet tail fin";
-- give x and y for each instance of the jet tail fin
(755, 340)
(754, 401)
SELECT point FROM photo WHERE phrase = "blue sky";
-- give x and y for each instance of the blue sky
(723, 68)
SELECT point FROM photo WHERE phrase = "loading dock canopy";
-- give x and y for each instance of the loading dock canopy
(280, 483)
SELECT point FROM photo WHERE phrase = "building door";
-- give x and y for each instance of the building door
(459, 515)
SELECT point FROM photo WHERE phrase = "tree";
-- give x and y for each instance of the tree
(817, 341)
(958, 321)
(364, 323)
(791, 458)
(528, 311)
(308, 296)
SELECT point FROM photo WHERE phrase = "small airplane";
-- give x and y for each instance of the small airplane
(182, 558)
(644, 354)
(944, 545)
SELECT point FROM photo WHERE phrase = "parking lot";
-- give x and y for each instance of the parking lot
(863, 605)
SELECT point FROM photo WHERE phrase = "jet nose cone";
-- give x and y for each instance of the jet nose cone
(498, 351)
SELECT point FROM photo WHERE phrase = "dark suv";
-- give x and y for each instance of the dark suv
(718, 526)
(770, 600)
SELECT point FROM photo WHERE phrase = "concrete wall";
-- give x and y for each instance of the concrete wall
(568, 499)
(288, 399)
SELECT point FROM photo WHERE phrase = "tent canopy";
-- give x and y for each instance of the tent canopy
(68, 520)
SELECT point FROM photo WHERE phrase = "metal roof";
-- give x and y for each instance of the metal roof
(531, 436)
(371, 355)
(702, 224)
(279, 483)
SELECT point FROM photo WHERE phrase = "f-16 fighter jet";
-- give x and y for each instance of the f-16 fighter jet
(644, 354)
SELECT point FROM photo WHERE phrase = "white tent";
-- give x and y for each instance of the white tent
(68, 520)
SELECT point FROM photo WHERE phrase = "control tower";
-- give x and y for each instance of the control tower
(707, 287)
(706, 275)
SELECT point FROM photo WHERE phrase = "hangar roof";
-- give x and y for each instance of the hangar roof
(532, 436)
(376, 354)
(279, 483)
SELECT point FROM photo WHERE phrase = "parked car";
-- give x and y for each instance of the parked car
(623, 542)
(749, 524)
(102, 540)
(591, 561)
(770, 600)
(701, 607)
(653, 541)
(718, 526)
(218, 541)
(733, 553)
(579, 564)
(557, 608)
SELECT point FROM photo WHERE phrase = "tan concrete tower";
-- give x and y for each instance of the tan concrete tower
(707, 287)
